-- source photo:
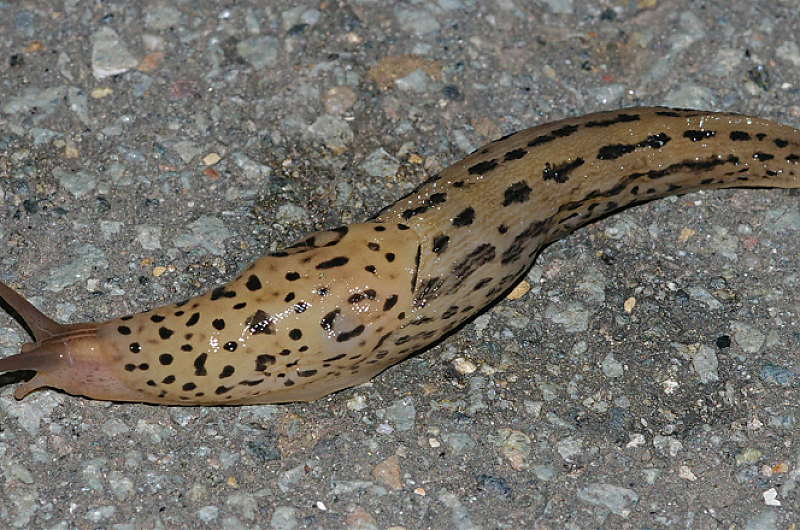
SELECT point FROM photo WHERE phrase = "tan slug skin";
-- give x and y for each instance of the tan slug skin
(340, 306)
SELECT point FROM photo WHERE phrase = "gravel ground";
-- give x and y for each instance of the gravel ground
(149, 150)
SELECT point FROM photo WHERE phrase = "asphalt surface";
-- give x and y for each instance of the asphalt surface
(649, 378)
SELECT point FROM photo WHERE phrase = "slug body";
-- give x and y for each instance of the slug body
(340, 306)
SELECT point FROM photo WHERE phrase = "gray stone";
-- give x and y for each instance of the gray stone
(261, 52)
(109, 56)
(615, 498)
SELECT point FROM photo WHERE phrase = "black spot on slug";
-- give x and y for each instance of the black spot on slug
(168, 380)
(781, 143)
(263, 361)
(295, 334)
(696, 136)
(465, 218)
(327, 320)
(227, 371)
(135, 347)
(193, 319)
(165, 359)
(200, 364)
(739, 136)
(189, 387)
(614, 151)
(165, 333)
(390, 302)
(517, 192)
(260, 323)
(306, 373)
(157, 318)
(230, 346)
(124, 330)
(762, 156)
(253, 283)
(220, 292)
(440, 243)
(560, 172)
(222, 390)
(292, 276)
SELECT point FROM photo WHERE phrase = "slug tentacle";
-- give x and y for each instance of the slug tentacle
(39, 325)
(339, 306)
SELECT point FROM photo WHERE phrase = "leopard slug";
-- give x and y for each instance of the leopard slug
(339, 306)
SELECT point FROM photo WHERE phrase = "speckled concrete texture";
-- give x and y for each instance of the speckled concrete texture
(648, 379)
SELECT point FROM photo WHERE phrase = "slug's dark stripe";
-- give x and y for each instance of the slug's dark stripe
(696, 136)
(382, 340)
(668, 113)
(693, 165)
(333, 263)
(612, 152)
(516, 154)
(427, 291)
(411, 212)
(348, 335)
(560, 172)
(479, 257)
(452, 310)
(482, 167)
(619, 118)
(517, 192)
(543, 139)
(513, 252)
(565, 131)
